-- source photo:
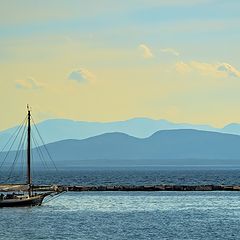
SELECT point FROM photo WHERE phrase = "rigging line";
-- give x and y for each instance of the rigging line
(21, 149)
(21, 163)
(17, 153)
(44, 145)
(18, 149)
(11, 145)
(11, 169)
(18, 131)
(39, 151)
(54, 196)
(32, 169)
(22, 123)
(22, 155)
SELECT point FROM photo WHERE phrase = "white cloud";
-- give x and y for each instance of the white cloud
(230, 70)
(81, 75)
(29, 83)
(146, 51)
(171, 51)
(182, 67)
(216, 69)
(204, 68)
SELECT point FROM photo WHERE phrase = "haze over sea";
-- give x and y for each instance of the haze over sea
(131, 215)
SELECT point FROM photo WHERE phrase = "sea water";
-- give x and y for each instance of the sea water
(186, 175)
(127, 215)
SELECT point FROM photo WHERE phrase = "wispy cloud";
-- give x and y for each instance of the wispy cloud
(81, 75)
(216, 69)
(182, 67)
(146, 51)
(29, 83)
(229, 69)
(170, 51)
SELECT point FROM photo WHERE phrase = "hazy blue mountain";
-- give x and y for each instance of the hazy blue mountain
(179, 147)
(61, 129)
(167, 144)
(56, 130)
(233, 128)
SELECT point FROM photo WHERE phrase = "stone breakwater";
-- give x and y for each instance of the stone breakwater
(153, 188)
(82, 188)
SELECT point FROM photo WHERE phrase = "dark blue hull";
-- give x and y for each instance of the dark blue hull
(32, 201)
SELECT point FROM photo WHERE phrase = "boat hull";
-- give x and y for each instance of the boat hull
(31, 201)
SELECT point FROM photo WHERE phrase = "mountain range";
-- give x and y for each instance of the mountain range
(138, 141)
(61, 129)
(166, 147)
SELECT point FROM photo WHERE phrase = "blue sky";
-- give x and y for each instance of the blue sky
(172, 59)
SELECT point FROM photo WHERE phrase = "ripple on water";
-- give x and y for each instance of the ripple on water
(127, 215)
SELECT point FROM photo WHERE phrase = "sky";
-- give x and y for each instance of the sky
(111, 60)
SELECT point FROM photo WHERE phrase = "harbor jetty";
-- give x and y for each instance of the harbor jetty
(83, 188)
(155, 188)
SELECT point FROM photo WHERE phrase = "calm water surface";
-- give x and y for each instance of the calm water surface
(133, 176)
(127, 215)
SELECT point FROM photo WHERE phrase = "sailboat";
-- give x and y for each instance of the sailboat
(29, 198)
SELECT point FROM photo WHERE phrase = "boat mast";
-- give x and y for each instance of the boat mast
(29, 152)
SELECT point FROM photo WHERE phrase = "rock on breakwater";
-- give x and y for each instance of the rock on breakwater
(154, 188)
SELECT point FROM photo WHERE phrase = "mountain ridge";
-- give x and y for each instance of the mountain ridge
(167, 144)
(178, 147)
(53, 130)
